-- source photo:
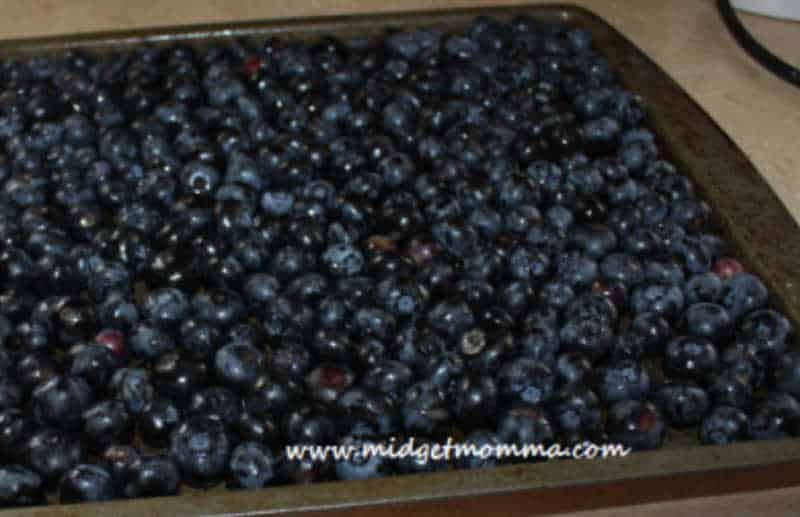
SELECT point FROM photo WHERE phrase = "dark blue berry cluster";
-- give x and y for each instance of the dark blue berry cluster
(206, 255)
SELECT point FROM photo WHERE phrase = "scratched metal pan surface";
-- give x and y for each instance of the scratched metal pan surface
(748, 213)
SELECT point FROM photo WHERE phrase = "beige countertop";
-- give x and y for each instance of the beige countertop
(686, 37)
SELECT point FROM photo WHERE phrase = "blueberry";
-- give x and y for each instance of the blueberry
(703, 287)
(690, 358)
(15, 428)
(396, 169)
(60, 402)
(217, 403)
(251, 465)
(424, 408)
(708, 320)
(133, 387)
(743, 293)
(576, 269)
(20, 486)
(524, 424)
(200, 178)
(474, 398)
(361, 465)
(458, 240)
(95, 364)
(767, 330)
(343, 260)
(277, 203)
(636, 424)
(309, 426)
(745, 360)
(774, 417)
(664, 300)
(178, 377)
(786, 373)
(731, 388)
(572, 368)
(107, 422)
(150, 342)
(261, 288)
(238, 365)
(724, 425)
(622, 380)
(652, 329)
(86, 482)
(479, 440)
(220, 307)
(157, 422)
(576, 409)
(51, 453)
(526, 380)
(249, 427)
(682, 404)
(152, 476)
(452, 318)
(11, 394)
(201, 449)
(541, 344)
(590, 336)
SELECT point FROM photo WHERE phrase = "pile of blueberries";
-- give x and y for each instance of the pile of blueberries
(206, 255)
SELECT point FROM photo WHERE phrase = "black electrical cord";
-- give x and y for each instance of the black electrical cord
(767, 59)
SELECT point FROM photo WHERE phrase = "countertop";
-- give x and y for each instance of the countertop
(686, 37)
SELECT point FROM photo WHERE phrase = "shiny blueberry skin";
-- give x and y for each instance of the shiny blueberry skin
(622, 380)
(201, 448)
(786, 374)
(251, 465)
(238, 365)
(731, 388)
(724, 425)
(690, 358)
(133, 387)
(742, 293)
(165, 306)
(216, 402)
(526, 380)
(576, 409)
(20, 486)
(61, 400)
(636, 424)
(51, 453)
(767, 330)
(708, 320)
(15, 428)
(152, 476)
(86, 483)
(704, 287)
(424, 408)
(775, 417)
(107, 422)
(150, 342)
(156, 423)
(343, 260)
(95, 364)
(682, 404)
(747, 361)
